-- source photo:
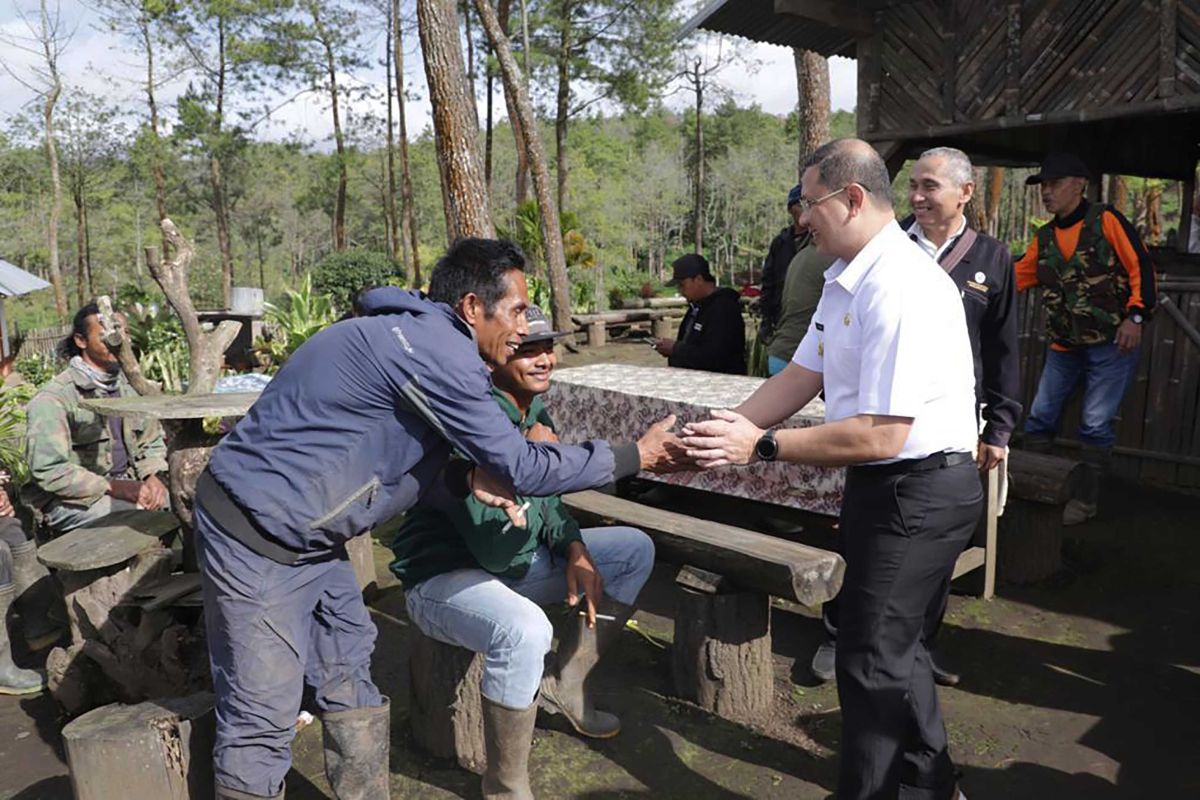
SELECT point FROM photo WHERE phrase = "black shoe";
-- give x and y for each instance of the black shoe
(824, 661)
(942, 676)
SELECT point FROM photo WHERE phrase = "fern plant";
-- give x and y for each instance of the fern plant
(13, 400)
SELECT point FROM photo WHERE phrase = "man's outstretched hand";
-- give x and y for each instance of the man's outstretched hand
(582, 576)
(661, 451)
(491, 492)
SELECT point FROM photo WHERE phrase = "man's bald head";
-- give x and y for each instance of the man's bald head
(845, 161)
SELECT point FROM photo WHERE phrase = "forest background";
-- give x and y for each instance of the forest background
(617, 101)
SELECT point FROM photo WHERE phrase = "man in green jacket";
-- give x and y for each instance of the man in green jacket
(473, 580)
(83, 465)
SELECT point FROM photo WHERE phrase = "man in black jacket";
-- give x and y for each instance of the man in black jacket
(941, 184)
(775, 267)
(712, 336)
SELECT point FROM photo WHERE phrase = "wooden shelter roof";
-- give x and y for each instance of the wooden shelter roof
(1116, 81)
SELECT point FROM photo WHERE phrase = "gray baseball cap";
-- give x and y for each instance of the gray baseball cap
(540, 328)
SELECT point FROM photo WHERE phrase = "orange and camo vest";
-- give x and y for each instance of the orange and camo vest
(1085, 295)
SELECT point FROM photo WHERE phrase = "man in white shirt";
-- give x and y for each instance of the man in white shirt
(889, 346)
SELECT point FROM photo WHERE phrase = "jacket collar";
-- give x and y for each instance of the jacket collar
(514, 414)
(1074, 218)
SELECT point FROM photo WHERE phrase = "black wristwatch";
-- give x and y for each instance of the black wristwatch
(766, 448)
(1136, 317)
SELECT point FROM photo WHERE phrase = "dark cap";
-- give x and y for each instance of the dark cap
(688, 266)
(540, 328)
(794, 195)
(1059, 165)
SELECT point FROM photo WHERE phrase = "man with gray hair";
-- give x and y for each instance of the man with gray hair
(888, 344)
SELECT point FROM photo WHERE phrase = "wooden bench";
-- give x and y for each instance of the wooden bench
(596, 325)
(1031, 539)
(721, 658)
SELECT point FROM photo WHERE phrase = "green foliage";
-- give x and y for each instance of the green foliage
(38, 369)
(157, 338)
(630, 283)
(13, 400)
(297, 318)
(342, 275)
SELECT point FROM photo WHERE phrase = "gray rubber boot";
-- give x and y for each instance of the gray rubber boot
(13, 679)
(507, 740)
(36, 595)
(357, 743)
(224, 793)
(565, 691)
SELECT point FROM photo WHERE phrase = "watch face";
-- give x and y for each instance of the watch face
(766, 448)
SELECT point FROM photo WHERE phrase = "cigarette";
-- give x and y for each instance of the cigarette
(604, 617)
(521, 511)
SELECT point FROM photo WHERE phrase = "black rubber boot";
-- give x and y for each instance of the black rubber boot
(507, 740)
(357, 743)
(37, 594)
(13, 679)
(564, 691)
(1086, 500)
(224, 793)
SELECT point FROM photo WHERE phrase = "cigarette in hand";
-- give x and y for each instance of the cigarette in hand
(604, 617)
(520, 512)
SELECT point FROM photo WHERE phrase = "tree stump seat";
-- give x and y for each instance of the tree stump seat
(1031, 529)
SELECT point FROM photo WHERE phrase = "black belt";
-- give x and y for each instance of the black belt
(904, 466)
(238, 524)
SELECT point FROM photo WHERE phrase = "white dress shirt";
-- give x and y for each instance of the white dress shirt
(917, 234)
(890, 338)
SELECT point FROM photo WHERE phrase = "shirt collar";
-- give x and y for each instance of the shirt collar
(917, 234)
(1075, 217)
(506, 404)
(850, 275)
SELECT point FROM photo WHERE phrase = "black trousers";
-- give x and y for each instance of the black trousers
(902, 530)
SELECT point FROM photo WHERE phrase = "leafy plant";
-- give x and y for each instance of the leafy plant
(158, 341)
(13, 400)
(299, 316)
(38, 369)
(342, 275)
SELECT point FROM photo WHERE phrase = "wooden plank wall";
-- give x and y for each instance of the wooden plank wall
(1160, 412)
(963, 60)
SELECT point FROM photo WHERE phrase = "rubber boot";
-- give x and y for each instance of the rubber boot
(224, 793)
(36, 596)
(579, 649)
(507, 740)
(357, 743)
(1085, 503)
(13, 679)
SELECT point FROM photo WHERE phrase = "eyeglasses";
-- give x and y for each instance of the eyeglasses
(807, 205)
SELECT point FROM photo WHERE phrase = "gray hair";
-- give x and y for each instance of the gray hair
(958, 165)
(845, 161)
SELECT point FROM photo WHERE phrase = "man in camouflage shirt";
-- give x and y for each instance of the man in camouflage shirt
(1097, 291)
(84, 465)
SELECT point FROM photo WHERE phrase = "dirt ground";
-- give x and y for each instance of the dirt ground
(1085, 686)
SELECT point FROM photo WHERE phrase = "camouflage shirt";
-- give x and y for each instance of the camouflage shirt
(70, 449)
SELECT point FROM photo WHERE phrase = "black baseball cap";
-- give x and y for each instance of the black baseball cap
(540, 328)
(688, 266)
(794, 195)
(1059, 165)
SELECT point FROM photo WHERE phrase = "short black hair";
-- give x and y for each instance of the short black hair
(67, 348)
(475, 266)
(845, 161)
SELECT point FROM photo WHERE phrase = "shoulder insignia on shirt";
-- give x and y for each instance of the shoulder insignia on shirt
(979, 287)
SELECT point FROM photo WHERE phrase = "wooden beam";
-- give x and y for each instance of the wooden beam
(950, 60)
(1167, 37)
(842, 16)
(750, 559)
(869, 50)
(1012, 62)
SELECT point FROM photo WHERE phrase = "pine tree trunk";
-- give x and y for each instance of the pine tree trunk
(408, 225)
(698, 208)
(390, 204)
(551, 227)
(563, 101)
(464, 193)
(160, 178)
(812, 82)
(1118, 193)
(995, 191)
(218, 188)
(60, 295)
(81, 280)
(521, 179)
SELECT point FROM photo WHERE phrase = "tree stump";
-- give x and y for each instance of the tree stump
(187, 458)
(1030, 541)
(158, 749)
(597, 334)
(660, 328)
(445, 704)
(721, 658)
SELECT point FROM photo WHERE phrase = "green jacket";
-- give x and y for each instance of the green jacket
(69, 448)
(431, 542)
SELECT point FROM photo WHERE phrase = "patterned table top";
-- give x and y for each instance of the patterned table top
(619, 402)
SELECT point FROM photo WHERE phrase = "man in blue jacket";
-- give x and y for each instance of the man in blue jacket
(355, 428)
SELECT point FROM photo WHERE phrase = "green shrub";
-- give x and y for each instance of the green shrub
(342, 275)
(157, 338)
(38, 369)
(13, 400)
(299, 316)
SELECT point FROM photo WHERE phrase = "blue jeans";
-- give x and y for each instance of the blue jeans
(775, 365)
(272, 628)
(65, 517)
(1106, 375)
(502, 617)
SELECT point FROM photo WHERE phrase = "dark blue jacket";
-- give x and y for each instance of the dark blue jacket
(359, 423)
